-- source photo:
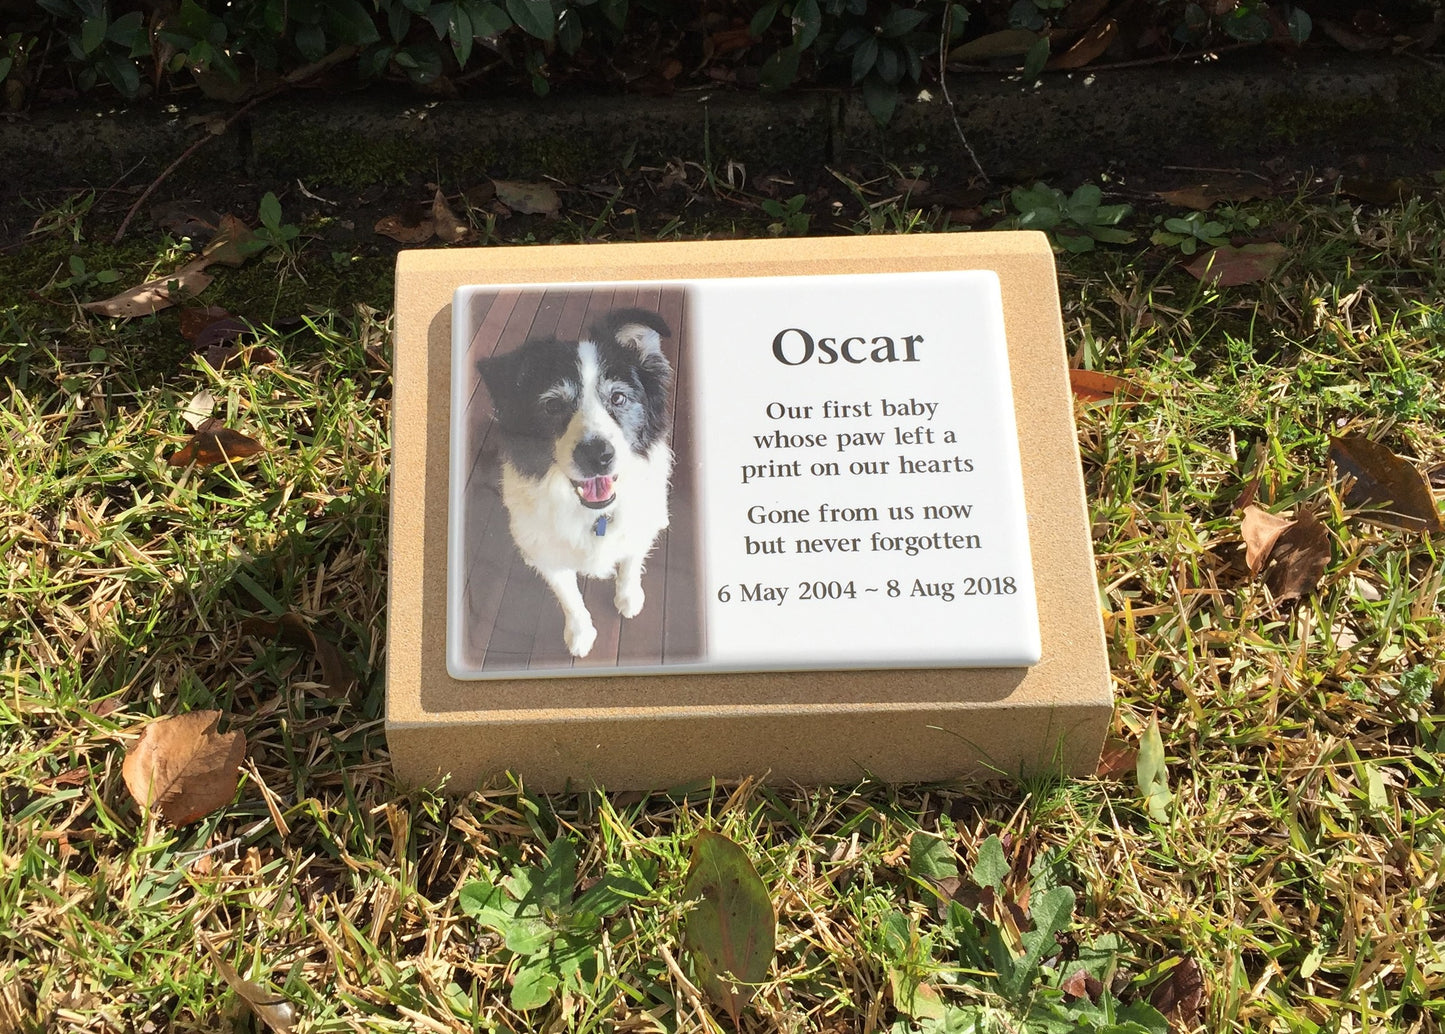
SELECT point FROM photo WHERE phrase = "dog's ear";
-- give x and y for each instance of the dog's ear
(635, 328)
(502, 374)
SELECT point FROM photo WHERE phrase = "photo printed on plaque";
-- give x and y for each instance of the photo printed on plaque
(773, 473)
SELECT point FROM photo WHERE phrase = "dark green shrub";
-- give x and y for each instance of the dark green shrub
(885, 48)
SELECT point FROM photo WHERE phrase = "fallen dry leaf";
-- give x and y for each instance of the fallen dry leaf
(1080, 984)
(1248, 494)
(449, 226)
(186, 219)
(270, 1007)
(155, 295)
(1117, 759)
(1180, 995)
(481, 194)
(1386, 488)
(222, 332)
(1376, 192)
(234, 243)
(183, 768)
(1298, 558)
(528, 198)
(1260, 530)
(336, 674)
(1201, 197)
(216, 445)
(1089, 47)
(1004, 43)
(403, 232)
(198, 411)
(1228, 266)
(196, 319)
(70, 777)
(1092, 386)
(228, 356)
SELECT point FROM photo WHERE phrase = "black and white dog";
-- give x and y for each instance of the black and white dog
(585, 457)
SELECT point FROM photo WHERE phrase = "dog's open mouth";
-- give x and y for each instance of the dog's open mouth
(597, 492)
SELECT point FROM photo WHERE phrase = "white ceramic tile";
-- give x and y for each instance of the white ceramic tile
(856, 475)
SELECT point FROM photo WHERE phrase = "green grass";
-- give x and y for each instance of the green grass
(1300, 866)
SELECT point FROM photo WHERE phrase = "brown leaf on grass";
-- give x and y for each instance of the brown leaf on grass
(1079, 984)
(337, 678)
(1260, 530)
(70, 777)
(1248, 494)
(403, 231)
(450, 227)
(183, 768)
(233, 245)
(528, 198)
(1201, 197)
(1180, 995)
(1386, 488)
(155, 295)
(947, 890)
(1004, 43)
(964, 216)
(270, 1007)
(186, 219)
(221, 332)
(1228, 266)
(199, 409)
(1298, 558)
(480, 195)
(1090, 46)
(197, 318)
(216, 445)
(228, 356)
(1118, 759)
(1376, 192)
(1092, 386)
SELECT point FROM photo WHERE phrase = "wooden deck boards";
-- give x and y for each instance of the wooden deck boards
(512, 621)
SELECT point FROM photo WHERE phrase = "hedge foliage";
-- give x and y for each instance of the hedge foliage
(237, 48)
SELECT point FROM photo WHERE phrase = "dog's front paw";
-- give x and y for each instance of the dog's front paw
(580, 636)
(628, 600)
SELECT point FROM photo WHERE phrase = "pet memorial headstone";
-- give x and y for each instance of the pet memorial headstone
(810, 510)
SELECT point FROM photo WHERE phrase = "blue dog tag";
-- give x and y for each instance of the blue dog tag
(600, 528)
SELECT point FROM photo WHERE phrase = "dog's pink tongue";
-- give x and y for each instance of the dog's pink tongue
(598, 489)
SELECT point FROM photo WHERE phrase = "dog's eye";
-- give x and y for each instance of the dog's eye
(618, 398)
(554, 406)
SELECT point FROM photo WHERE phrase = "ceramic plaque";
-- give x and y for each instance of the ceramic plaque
(735, 474)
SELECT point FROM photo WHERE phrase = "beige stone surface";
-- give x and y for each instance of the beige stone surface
(655, 731)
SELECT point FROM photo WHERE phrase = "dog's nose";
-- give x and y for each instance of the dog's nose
(593, 456)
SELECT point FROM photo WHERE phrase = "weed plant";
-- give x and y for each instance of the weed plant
(1295, 861)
